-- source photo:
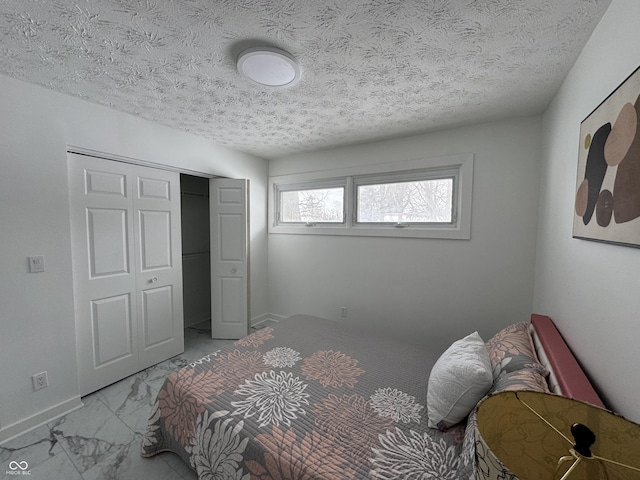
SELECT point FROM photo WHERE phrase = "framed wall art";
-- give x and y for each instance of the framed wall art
(607, 200)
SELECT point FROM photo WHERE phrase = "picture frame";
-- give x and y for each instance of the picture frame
(607, 194)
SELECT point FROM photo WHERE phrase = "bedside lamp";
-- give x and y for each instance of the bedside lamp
(531, 435)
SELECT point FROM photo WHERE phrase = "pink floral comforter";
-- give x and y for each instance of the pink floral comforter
(307, 399)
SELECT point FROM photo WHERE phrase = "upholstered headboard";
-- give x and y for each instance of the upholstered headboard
(566, 375)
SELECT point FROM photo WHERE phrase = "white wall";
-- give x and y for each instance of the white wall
(591, 290)
(426, 290)
(36, 310)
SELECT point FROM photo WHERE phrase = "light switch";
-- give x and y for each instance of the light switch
(36, 264)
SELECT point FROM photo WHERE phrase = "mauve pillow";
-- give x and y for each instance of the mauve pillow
(511, 349)
(524, 379)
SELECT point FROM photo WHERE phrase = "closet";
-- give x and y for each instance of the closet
(196, 260)
(130, 240)
(127, 268)
(215, 254)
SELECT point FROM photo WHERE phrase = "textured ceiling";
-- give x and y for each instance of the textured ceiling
(370, 68)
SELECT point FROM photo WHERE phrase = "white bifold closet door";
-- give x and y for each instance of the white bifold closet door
(229, 224)
(125, 223)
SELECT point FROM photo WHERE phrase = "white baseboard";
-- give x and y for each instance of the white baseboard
(265, 317)
(37, 420)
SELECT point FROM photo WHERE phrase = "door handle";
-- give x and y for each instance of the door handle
(234, 270)
(153, 280)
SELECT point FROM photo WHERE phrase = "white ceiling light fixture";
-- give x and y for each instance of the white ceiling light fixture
(269, 67)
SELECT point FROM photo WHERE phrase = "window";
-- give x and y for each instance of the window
(420, 198)
(311, 205)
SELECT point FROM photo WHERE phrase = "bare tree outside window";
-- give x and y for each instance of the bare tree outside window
(323, 205)
(426, 201)
(421, 198)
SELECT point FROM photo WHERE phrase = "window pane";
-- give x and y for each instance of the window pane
(315, 205)
(426, 201)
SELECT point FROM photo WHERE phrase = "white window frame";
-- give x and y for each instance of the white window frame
(410, 176)
(458, 166)
(317, 185)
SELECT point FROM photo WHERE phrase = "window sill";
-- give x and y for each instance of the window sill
(406, 232)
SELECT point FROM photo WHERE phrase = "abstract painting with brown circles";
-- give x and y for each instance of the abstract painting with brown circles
(608, 182)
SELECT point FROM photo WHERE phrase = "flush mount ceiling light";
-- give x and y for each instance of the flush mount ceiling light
(269, 67)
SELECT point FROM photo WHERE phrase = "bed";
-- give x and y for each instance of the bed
(315, 399)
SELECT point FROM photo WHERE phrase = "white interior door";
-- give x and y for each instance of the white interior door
(127, 270)
(228, 199)
(157, 227)
(104, 271)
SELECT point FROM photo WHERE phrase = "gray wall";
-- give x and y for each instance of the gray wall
(426, 290)
(37, 330)
(591, 290)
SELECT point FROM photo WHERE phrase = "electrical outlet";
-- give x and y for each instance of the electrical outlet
(343, 312)
(36, 264)
(40, 381)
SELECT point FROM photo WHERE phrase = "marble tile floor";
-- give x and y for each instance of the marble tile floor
(101, 441)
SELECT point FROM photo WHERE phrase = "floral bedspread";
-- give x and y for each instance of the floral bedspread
(306, 399)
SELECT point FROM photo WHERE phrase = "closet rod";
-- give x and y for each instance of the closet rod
(189, 194)
(193, 255)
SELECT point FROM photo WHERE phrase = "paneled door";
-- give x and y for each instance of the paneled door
(229, 224)
(125, 223)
